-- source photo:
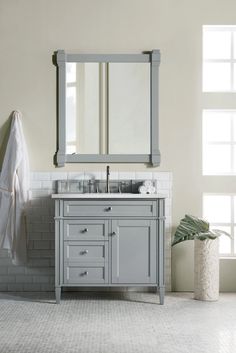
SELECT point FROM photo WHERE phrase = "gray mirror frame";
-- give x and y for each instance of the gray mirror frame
(153, 158)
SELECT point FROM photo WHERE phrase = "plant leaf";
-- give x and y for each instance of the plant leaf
(221, 232)
(191, 227)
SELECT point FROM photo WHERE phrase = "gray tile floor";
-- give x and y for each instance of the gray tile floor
(114, 322)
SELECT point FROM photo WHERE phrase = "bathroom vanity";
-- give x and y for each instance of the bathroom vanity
(109, 240)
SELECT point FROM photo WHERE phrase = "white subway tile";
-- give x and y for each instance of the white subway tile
(47, 287)
(76, 176)
(40, 193)
(48, 236)
(58, 176)
(15, 287)
(24, 279)
(89, 175)
(3, 269)
(40, 271)
(164, 192)
(4, 253)
(163, 184)
(37, 262)
(40, 176)
(114, 175)
(143, 175)
(162, 175)
(16, 270)
(7, 279)
(31, 287)
(103, 175)
(48, 184)
(126, 175)
(41, 244)
(34, 218)
(41, 227)
(6, 262)
(35, 184)
(41, 279)
(96, 175)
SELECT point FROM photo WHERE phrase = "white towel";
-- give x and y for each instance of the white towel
(147, 183)
(142, 189)
(14, 193)
(147, 189)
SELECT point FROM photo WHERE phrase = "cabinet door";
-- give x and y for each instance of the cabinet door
(134, 249)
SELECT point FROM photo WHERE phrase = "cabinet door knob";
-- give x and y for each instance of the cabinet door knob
(85, 252)
(113, 233)
(85, 273)
(109, 208)
(85, 230)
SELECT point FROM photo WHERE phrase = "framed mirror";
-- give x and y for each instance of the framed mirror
(108, 108)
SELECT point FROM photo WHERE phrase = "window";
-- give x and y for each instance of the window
(219, 58)
(219, 131)
(220, 211)
(219, 142)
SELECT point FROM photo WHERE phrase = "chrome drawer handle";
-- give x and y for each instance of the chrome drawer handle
(85, 273)
(109, 208)
(85, 252)
(85, 230)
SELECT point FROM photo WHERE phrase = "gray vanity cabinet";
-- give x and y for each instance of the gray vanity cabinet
(133, 251)
(109, 242)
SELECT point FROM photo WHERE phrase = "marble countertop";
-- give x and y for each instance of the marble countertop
(108, 196)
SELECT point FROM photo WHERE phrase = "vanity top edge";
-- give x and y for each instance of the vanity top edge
(108, 196)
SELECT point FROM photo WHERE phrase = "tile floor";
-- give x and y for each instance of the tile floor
(116, 322)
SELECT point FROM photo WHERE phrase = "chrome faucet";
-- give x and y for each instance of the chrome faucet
(108, 174)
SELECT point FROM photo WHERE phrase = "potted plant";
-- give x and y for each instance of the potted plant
(206, 255)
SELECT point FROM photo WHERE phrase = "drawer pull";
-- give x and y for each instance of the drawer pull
(85, 273)
(85, 252)
(85, 230)
(109, 208)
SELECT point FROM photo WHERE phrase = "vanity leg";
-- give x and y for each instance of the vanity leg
(161, 295)
(58, 294)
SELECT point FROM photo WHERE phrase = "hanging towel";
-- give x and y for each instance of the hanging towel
(14, 193)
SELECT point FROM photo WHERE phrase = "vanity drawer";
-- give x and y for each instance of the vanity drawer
(85, 229)
(75, 251)
(85, 274)
(110, 208)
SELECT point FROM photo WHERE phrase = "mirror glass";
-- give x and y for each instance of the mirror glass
(107, 108)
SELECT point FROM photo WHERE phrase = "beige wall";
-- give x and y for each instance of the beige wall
(30, 31)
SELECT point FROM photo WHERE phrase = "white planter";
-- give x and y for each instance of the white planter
(206, 269)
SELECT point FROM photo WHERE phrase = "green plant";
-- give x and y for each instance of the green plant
(191, 227)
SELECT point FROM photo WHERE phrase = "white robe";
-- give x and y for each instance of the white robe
(14, 193)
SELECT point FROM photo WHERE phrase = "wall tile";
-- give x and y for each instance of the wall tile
(75, 176)
(15, 287)
(58, 176)
(143, 175)
(7, 279)
(40, 176)
(126, 175)
(16, 270)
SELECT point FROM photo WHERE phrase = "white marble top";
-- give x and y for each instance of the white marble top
(108, 196)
